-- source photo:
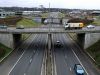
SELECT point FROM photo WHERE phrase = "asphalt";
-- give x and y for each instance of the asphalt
(9, 62)
(28, 59)
(31, 61)
(69, 55)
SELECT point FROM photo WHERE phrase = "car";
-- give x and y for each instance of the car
(46, 21)
(3, 27)
(58, 44)
(90, 26)
(78, 69)
(20, 27)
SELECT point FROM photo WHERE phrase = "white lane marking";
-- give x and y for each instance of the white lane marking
(16, 62)
(30, 60)
(54, 55)
(34, 51)
(81, 51)
(79, 61)
(19, 59)
(70, 69)
(24, 73)
(65, 57)
(43, 68)
(65, 60)
(55, 65)
(86, 52)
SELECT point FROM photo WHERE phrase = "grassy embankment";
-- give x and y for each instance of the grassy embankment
(94, 51)
(97, 21)
(4, 51)
(28, 23)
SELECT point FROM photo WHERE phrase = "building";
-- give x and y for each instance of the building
(4, 14)
(95, 13)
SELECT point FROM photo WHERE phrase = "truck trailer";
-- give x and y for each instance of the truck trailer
(73, 26)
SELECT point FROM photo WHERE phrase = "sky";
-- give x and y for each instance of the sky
(71, 4)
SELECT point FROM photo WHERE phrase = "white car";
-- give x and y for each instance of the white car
(20, 27)
(90, 26)
(46, 21)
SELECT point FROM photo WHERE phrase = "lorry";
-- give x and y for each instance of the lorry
(73, 26)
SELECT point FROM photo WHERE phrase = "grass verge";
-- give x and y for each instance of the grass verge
(5, 50)
(24, 36)
(28, 23)
(94, 51)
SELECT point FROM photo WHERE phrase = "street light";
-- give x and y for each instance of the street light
(49, 19)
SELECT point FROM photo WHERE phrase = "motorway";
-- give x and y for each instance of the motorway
(70, 54)
(31, 61)
(28, 59)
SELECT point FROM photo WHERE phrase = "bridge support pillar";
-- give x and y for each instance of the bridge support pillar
(81, 39)
(49, 41)
(16, 39)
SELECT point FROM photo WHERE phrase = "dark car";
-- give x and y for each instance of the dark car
(78, 69)
(58, 44)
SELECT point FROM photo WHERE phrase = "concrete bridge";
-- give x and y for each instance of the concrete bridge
(45, 30)
(15, 34)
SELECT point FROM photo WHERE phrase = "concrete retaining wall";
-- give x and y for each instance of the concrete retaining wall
(7, 40)
(91, 38)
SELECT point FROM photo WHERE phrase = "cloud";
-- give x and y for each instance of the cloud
(87, 4)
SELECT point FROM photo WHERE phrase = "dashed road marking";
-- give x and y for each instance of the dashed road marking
(30, 60)
(24, 73)
(80, 61)
(70, 69)
(18, 60)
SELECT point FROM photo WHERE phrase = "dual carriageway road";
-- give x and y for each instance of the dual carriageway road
(28, 59)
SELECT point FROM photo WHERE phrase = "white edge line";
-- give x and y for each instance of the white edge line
(79, 61)
(55, 66)
(11, 52)
(43, 72)
(84, 50)
(30, 60)
(16, 63)
(55, 63)
(70, 69)
(18, 59)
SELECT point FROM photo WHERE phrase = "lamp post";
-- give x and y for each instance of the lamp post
(49, 32)
(49, 18)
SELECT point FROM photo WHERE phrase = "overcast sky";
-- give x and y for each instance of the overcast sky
(81, 4)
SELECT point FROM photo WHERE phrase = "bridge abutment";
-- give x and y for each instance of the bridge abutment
(85, 40)
(81, 40)
(17, 40)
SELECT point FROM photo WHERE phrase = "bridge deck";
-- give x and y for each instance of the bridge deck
(45, 30)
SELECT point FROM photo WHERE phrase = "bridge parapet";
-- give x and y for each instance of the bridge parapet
(45, 30)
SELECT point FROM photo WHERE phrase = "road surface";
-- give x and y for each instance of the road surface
(69, 55)
(27, 59)
(31, 61)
